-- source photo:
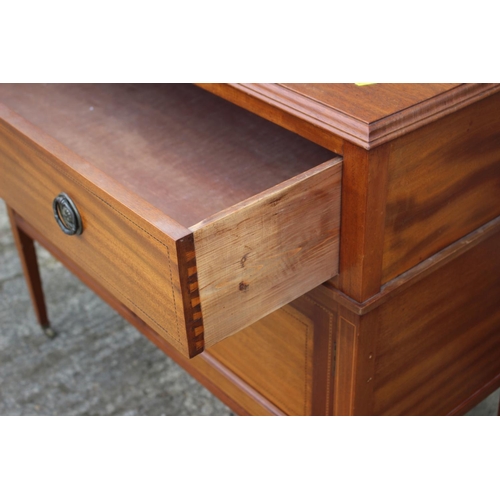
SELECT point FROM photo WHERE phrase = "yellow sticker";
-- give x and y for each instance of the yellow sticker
(363, 84)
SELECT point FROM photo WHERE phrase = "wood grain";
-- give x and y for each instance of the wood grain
(275, 356)
(268, 107)
(365, 116)
(444, 182)
(228, 387)
(370, 103)
(185, 151)
(117, 248)
(414, 327)
(416, 273)
(29, 263)
(262, 254)
(288, 233)
(355, 363)
(450, 299)
(318, 306)
(88, 175)
(364, 187)
(439, 340)
(289, 355)
(474, 399)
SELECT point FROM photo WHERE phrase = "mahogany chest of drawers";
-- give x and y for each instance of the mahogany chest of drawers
(302, 249)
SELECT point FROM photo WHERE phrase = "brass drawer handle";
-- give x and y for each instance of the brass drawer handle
(67, 215)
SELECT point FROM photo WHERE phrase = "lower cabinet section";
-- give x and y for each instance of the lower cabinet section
(276, 355)
(427, 344)
(438, 341)
(287, 358)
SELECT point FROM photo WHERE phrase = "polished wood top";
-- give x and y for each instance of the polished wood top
(369, 102)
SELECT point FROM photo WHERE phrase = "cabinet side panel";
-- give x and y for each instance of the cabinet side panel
(444, 182)
(439, 340)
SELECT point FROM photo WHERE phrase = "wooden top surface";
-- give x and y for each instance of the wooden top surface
(369, 102)
(366, 115)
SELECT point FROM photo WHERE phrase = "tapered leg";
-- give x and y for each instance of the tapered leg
(27, 255)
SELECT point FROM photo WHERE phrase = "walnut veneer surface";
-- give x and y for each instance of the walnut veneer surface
(408, 323)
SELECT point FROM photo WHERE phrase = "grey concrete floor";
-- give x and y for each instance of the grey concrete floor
(98, 364)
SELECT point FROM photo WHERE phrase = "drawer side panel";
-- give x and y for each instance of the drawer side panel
(241, 280)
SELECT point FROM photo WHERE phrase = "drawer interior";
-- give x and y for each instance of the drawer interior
(189, 153)
(219, 216)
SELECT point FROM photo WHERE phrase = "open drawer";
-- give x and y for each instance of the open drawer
(198, 216)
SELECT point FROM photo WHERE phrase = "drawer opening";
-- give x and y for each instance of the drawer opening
(189, 153)
(219, 216)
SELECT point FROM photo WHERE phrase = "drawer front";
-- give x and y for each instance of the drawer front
(116, 248)
(194, 286)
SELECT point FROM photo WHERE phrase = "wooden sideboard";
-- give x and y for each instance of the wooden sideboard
(301, 249)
